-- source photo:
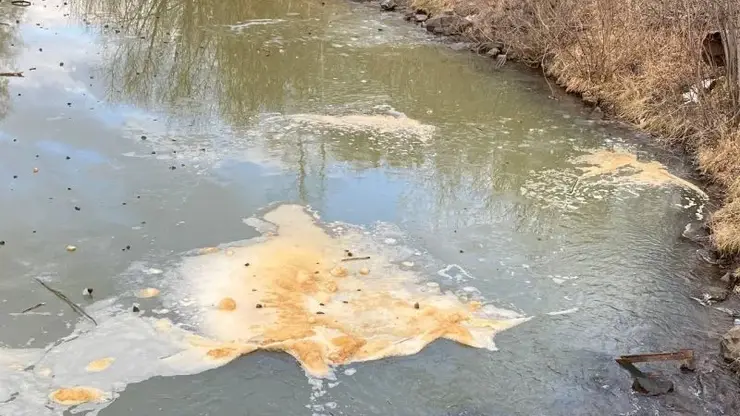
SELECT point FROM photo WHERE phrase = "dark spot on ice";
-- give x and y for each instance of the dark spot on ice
(68, 158)
(2, 242)
(416, 305)
(259, 306)
(143, 137)
(321, 304)
(246, 264)
(61, 63)
(77, 208)
(319, 313)
(461, 251)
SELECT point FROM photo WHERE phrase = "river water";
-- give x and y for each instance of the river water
(158, 126)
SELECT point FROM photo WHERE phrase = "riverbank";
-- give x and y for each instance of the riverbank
(639, 62)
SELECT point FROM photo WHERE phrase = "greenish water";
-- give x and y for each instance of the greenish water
(157, 126)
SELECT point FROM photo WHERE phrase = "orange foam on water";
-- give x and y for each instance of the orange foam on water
(291, 292)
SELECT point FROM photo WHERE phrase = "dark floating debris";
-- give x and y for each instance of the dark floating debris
(36, 306)
(66, 300)
(87, 291)
(653, 384)
(356, 258)
(135, 308)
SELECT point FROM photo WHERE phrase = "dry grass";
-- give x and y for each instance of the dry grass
(636, 58)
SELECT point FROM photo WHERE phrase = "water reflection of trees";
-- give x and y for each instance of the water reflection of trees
(180, 56)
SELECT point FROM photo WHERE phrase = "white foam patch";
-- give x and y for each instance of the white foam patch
(94, 364)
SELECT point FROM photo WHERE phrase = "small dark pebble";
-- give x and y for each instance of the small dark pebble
(321, 304)
(61, 63)
(123, 203)
(344, 301)
(254, 290)
(143, 137)
(153, 152)
(349, 254)
(15, 176)
(320, 313)
(138, 196)
(416, 305)
(37, 155)
(77, 208)
(68, 158)
(41, 50)
(246, 264)
(359, 290)
(461, 251)
(173, 167)
(34, 231)
(143, 222)
(128, 247)
(2, 242)
(69, 189)
(259, 306)
(69, 104)
(316, 272)
(15, 140)
(135, 308)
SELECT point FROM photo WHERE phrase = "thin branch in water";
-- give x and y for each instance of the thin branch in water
(36, 306)
(64, 298)
(356, 258)
(573, 188)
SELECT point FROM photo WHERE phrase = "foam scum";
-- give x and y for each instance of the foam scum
(295, 291)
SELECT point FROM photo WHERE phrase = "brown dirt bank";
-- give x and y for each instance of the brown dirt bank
(641, 61)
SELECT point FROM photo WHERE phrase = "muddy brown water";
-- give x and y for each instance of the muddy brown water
(158, 126)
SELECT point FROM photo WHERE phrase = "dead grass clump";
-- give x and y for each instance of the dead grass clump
(726, 222)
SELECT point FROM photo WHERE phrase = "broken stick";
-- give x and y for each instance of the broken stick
(36, 306)
(356, 258)
(66, 300)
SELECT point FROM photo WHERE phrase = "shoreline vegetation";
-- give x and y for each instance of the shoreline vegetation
(659, 65)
